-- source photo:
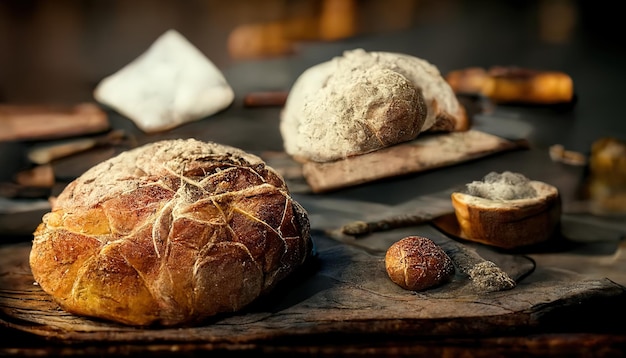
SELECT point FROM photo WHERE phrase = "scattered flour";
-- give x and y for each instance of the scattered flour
(502, 186)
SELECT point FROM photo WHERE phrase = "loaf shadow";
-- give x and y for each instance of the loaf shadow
(299, 286)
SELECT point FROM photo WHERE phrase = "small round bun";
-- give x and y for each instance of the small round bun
(507, 210)
(169, 233)
(416, 263)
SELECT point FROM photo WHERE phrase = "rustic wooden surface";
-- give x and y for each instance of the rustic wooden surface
(343, 300)
(343, 291)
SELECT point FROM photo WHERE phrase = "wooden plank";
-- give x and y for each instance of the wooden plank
(427, 152)
(32, 122)
(344, 290)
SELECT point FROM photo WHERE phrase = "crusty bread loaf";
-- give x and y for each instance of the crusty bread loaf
(416, 263)
(508, 210)
(509, 84)
(364, 101)
(169, 233)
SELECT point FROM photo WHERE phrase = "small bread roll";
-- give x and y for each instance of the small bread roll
(509, 84)
(169, 233)
(519, 85)
(507, 210)
(416, 263)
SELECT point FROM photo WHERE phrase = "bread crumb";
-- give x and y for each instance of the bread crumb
(502, 186)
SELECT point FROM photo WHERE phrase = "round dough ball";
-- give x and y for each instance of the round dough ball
(416, 263)
(169, 233)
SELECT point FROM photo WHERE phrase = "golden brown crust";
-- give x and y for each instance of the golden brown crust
(509, 224)
(447, 122)
(509, 84)
(169, 233)
(416, 263)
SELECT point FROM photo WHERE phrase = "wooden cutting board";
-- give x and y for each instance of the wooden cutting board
(343, 291)
(429, 151)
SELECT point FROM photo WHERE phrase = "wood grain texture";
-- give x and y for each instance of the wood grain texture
(427, 152)
(343, 291)
(25, 122)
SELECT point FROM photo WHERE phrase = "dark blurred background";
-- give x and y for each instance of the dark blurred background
(57, 51)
